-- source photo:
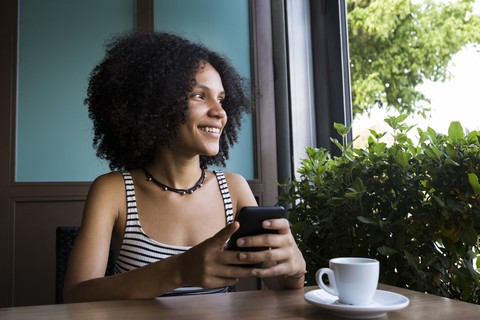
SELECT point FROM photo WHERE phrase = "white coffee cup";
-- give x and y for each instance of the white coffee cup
(353, 280)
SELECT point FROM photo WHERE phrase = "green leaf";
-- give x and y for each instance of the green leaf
(430, 154)
(432, 133)
(455, 131)
(367, 220)
(402, 118)
(392, 122)
(379, 147)
(468, 236)
(473, 272)
(449, 161)
(467, 290)
(377, 135)
(338, 144)
(297, 227)
(341, 129)
(402, 138)
(387, 251)
(411, 259)
(401, 158)
(472, 137)
(451, 152)
(351, 195)
(358, 185)
(439, 200)
(435, 150)
(423, 136)
(473, 179)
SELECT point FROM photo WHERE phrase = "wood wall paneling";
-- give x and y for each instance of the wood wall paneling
(34, 246)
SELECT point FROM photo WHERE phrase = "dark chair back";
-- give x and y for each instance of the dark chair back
(65, 238)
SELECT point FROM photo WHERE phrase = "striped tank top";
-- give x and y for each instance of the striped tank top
(138, 249)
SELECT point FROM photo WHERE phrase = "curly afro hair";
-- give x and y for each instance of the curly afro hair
(137, 91)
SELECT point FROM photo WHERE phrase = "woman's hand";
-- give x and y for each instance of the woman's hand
(282, 259)
(208, 265)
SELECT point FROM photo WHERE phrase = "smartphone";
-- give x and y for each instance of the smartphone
(250, 219)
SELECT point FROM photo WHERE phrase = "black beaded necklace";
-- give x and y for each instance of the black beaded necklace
(180, 191)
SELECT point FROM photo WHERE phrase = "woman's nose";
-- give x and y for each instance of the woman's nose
(216, 110)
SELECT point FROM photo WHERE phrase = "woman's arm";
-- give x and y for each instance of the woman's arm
(85, 278)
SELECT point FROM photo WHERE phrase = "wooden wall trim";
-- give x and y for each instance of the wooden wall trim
(58, 188)
(8, 63)
(8, 70)
(8, 86)
(144, 15)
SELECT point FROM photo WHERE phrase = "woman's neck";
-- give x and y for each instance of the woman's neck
(175, 172)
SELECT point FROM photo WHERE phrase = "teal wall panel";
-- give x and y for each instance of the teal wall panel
(223, 26)
(60, 41)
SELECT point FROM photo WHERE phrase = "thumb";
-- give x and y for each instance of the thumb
(223, 235)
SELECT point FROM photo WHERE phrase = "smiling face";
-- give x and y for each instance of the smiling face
(200, 134)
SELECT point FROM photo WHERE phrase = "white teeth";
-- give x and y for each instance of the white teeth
(210, 129)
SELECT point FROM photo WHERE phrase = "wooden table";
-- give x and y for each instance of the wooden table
(281, 304)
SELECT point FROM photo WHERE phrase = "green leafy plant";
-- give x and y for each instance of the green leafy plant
(412, 206)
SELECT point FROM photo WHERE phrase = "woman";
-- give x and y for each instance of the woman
(159, 106)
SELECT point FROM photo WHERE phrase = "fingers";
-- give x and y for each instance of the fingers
(216, 282)
(267, 257)
(281, 225)
(281, 237)
(280, 262)
(270, 240)
(223, 235)
(276, 270)
(272, 266)
(226, 276)
(236, 271)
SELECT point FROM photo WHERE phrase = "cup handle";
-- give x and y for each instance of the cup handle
(332, 288)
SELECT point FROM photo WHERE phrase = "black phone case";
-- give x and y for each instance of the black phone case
(250, 219)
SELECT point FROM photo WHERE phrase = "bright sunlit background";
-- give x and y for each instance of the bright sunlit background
(457, 99)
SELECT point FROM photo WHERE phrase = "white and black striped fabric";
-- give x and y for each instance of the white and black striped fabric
(138, 249)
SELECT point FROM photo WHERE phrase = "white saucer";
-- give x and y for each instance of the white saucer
(383, 301)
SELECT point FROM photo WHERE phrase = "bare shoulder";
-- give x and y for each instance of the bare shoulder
(240, 191)
(111, 179)
(107, 194)
(234, 178)
(108, 185)
(237, 183)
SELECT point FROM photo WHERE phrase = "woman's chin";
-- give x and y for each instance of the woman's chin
(211, 153)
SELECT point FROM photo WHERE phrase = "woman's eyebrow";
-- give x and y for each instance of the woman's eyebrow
(201, 86)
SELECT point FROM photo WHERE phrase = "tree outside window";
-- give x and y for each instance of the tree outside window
(402, 51)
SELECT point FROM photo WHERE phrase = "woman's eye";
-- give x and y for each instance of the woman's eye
(197, 95)
(220, 100)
